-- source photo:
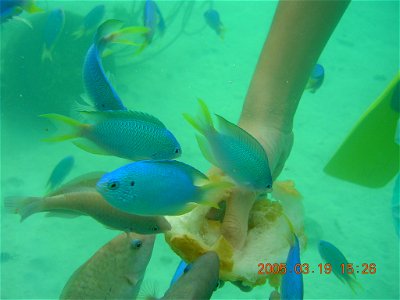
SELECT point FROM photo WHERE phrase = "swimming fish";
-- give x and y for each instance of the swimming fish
(396, 204)
(199, 282)
(77, 198)
(332, 255)
(13, 8)
(233, 150)
(52, 31)
(91, 21)
(316, 78)
(165, 187)
(292, 283)
(115, 271)
(127, 134)
(60, 171)
(182, 268)
(214, 21)
(152, 19)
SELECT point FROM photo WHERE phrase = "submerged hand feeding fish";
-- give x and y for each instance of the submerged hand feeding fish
(91, 21)
(52, 31)
(233, 150)
(316, 78)
(214, 21)
(115, 271)
(79, 197)
(332, 255)
(126, 134)
(164, 187)
(60, 171)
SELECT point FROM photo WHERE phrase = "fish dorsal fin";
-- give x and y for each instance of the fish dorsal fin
(231, 129)
(123, 114)
(194, 174)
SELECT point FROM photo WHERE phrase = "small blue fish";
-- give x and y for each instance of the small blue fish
(396, 204)
(164, 187)
(52, 31)
(91, 21)
(233, 150)
(316, 78)
(60, 171)
(126, 134)
(152, 19)
(13, 8)
(214, 21)
(180, 270)
(292, 283)
(332, 255)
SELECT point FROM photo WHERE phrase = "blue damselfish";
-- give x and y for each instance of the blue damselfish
(52, 31)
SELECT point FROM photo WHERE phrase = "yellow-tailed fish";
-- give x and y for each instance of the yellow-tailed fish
(126, 134)
(164, 187)
(214, 21)
(13, 8)
(316, 78)
(91, 21)
(115, 271)
(79, 197)
(233, 150)
(60, 171)
(52, 32)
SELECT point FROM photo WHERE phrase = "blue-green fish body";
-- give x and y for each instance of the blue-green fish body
(126, 134)
(13, 8)
(52, 31)
(214, 21)
(152, 19)
(164, 187)
(91, 21)
(233, 150)
(60, 171)
(332, 255)
(316, 78)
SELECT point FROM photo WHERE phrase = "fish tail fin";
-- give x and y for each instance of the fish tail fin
(203, 123)
(214, 192)
(46, 54)
(76, 127)
(24, 206)
(79, 33)
(31, 7)
(354, 285)
(221, 32)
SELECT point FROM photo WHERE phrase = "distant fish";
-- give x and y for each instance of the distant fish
(332, 255)
(214, 21)
(60, 171)
(79, 197)
(164, 187)
(182, 268)
(199, 282)
(396, 205)
(52, 31)
(115, 271)
(126, 134)
(152, 19)
(13, 8)
(233, 150)
(316, 78)
(292, 283)
(91, 21)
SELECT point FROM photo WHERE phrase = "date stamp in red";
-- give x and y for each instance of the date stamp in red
(321, 268)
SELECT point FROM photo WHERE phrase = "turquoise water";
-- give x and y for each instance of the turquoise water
(190, 61)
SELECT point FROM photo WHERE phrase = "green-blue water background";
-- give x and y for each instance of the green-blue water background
(39, 255)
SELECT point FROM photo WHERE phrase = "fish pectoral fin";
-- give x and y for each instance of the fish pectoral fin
(90, 147)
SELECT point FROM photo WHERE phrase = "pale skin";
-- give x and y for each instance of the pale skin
(299, 33)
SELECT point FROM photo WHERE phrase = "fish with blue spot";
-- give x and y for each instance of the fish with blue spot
(11, 9)
(213, 20)
(91, 21)
(316, 78)
(52, 31)
(153, 20)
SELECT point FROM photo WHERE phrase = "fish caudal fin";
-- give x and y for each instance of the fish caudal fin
(24, 206)
(46, 54)
(354, 285)
(75, 127)
(203, 123)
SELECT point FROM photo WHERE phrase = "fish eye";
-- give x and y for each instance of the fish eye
(155, 228)
(113, 185)
(177, 150)
(136, 244)
(132, 183)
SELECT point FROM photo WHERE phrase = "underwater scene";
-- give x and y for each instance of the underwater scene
(200, 149)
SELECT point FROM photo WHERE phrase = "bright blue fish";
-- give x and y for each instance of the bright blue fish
(180, 270)
(13, 8)
(316, 78)
(214, 21)
(332, 255)
(52, 31)
(60, 171)
(292, 283)
(164, 187)
(396, 205)
(152, 19)
(91, 21)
